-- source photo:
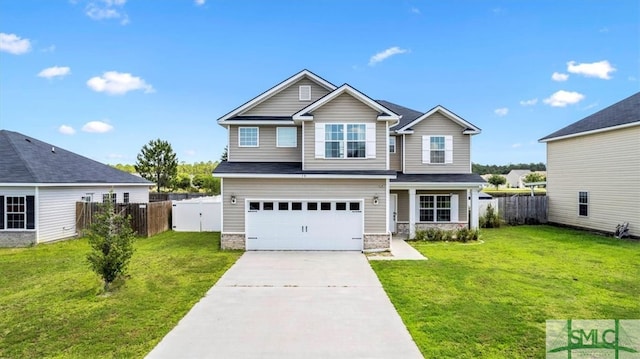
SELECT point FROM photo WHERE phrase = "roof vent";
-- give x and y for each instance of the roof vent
(28, 140)
(53, 149)
(304, 93)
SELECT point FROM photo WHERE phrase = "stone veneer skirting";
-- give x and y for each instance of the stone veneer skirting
(17, 239)
(232, 241)
(377, 241)
(403, 228)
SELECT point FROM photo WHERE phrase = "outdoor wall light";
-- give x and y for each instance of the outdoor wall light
(375, 200)
(233, 199)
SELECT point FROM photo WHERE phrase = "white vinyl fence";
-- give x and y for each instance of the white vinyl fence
(197, 214)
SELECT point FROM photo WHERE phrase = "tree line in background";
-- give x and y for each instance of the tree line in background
(504, 169)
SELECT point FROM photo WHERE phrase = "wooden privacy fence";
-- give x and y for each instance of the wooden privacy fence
(523, 209)
(147, 219)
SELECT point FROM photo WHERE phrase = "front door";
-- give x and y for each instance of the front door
(393, 212)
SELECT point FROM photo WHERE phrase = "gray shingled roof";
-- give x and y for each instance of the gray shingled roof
(24, 159)
(290, 168)
(408, 114)
(621, 113)
(440, 178)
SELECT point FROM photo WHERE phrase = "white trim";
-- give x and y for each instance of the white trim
(395, 210)
(303, 115)
(87, 184)
(259, 122)
(36, 215)
(395, 144)
(228, 143)
(453, 207)
(222, 205)
(470, 129)
(412, 213)
(274, 90)
(435, 185)
(300, 175)
(318, 136)
(295, 137)
(257, 136)
(586, 204)
(303, 143)
(304, 93)
(612, 128)
(404, 147)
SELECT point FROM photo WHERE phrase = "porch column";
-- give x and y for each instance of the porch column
(475, 209)
(412, 213)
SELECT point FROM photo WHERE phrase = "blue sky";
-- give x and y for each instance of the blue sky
(104, 77)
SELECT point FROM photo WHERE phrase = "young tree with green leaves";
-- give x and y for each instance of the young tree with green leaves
(534, 177)
(497, 180)
(111, 240)
(157, 162)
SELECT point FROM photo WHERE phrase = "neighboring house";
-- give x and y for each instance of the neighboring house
(593, 169)
(40, 185)
(515, 178)
(314, 166)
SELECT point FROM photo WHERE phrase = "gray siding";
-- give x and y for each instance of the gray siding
(267, 151)
(607, 166)
(395, 159)
(345, 109)
(403, 205)
(286, 102)
(242, 188)
(437, 125)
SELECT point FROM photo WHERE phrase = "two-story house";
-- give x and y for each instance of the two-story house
(314, 166)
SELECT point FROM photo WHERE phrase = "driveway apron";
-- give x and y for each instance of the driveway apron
(292, 305)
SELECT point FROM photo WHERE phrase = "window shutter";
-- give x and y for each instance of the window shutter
(454, 208)
(426, 149)
(31, 212)
(319, 140)
(371, 140)
(448, 149)
(1, 212)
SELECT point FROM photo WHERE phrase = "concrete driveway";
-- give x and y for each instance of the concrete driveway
(292, 305)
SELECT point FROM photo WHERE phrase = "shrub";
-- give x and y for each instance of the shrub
(421, 234)
(490, 219)
(466, 235)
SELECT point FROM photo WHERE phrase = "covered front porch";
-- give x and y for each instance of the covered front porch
(446, 201)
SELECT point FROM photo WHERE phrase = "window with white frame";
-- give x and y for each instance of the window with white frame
(334, 141)
(583, 203)
(355, 140)
(304, 93)
(248, 137)
(437, 149)
(392, 144)
(16, 212)
(125, 197)
(436, 208)
(109, 196)
(286, 137)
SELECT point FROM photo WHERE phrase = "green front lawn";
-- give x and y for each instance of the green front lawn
(51, 303)
(491, 300)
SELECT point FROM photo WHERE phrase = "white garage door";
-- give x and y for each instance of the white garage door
(304, 225)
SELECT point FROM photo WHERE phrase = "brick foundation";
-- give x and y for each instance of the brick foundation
(232, 241)
(377, 241)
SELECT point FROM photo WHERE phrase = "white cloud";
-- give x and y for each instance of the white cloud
(190, 152)
(200, 2)
(530, 102)
(416, 11)
(600, 69)
(97, 127)
(503, 111)
(66, 130)
(50, 48)
(55, 71)
(383, 55)
(560, 77)
(13, 44)
(516, 145)
(107, 9)
(118, 83)
(563, 98)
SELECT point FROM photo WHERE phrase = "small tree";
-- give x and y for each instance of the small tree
(497, 180)
(157, 162)
(111, 240)
(534, 177)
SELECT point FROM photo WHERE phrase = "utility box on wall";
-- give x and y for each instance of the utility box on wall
(197, 215)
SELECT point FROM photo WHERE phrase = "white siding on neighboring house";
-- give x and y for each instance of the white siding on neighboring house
(234, 214)
(346, 109)
(437, 125)
(267, 151)
(287, 102)
(606, 166)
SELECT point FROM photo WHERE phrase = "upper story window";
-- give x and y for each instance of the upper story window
(437, 149)
(345, 140)
(583, 204)
(304, 93)
(248, 137)
(287, 137)
(17, 212)
(392, 144)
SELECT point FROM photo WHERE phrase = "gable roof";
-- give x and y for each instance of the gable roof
(625, 113)
(407, 114)
(274, 90)
(25, 160)
(385, 113)
(469, 128)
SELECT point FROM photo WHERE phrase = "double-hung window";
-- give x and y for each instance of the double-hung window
(392, 144)
(356, 141)
(109, 196)
(334, 141)
(248, 137)
(16, 212)
(583, 204)
(435, 208)
(437, 149)
(352, 136)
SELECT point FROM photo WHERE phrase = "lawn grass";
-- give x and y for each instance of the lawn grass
(51, 303)
(491, 300)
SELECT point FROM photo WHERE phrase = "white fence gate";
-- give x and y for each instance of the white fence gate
(197, 215)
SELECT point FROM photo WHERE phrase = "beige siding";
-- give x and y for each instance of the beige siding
(607, 165)
(375, 215)
(403, 203)
(286, 102)
(267, 150)
(395, 159)
(345, 109)
(437, 125)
